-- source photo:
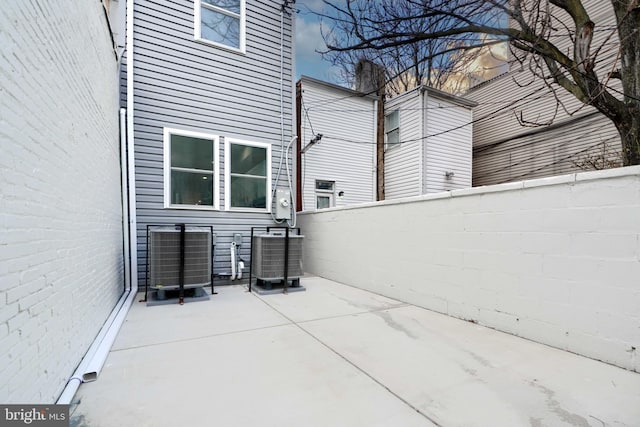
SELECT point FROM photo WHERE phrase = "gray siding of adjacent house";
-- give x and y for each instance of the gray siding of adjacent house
(346, 152)
(586, 142)
(515, 107)
(185, 84)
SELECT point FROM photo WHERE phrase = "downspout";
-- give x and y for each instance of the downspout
(93, 361)
(299, 146)
(125, 199)
(374, 153)
(291, 223)
(233, 261)
(131, 164)
(423, 134)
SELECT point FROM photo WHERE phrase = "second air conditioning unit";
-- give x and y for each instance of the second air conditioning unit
(269, 257)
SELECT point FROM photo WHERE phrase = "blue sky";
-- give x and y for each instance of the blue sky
(308, 39)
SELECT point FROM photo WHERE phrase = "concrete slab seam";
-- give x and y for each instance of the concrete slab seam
(352, 363)
(201, 337)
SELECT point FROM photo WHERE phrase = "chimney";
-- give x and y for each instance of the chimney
(369, 77)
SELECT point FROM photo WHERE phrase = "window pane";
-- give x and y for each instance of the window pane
(323, 202)
(248, 192)
(391, 121)
(220, 28)
(393, 137)
(189, 188)
(248, 160)
(230, 5)
(324, 185)
(193, 153)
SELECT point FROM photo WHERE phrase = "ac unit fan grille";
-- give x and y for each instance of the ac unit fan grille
(269, 257)
(164, 258)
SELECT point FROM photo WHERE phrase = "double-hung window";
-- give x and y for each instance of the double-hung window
(247, 175)
(190, 170)
(221, 23)
(392, 130)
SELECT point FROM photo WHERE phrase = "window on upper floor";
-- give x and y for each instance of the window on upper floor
(392, 130)
(221, 23)
(190, 170)
(247, 176)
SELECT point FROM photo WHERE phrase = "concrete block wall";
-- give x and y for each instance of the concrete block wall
(61, 262)
(555, 260)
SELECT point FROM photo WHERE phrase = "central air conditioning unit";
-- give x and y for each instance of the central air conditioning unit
(269, 256)
(164, 257)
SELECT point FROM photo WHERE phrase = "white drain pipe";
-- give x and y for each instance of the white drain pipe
(239, 272)
(93, 361)
(233, 260)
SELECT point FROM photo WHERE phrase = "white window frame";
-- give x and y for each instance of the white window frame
(167, 168)
(387, 145)
(197, 25)
(331, 194)
(227, 175)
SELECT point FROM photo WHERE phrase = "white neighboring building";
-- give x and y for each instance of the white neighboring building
(429, 143)
(340, 169)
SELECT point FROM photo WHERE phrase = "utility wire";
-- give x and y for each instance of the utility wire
(485, 117)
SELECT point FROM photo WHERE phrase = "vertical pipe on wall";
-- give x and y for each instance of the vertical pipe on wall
(133, 246)
(374, 154)
(93, 361)
(125, 204)
(282, 147)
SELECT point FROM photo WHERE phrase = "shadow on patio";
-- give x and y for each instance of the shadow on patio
(339, 356)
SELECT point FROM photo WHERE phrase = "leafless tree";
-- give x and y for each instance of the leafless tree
(407, 65)
(554, 38)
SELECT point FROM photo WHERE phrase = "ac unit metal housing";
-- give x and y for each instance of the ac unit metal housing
(164, 257)
(268, 253)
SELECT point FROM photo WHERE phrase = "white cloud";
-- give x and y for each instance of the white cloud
(308, 39)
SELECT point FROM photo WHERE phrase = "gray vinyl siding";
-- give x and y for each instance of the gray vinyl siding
(346, 153)
(565, 148)
(403, 163)
(450, 147)
(514, 107)
(184, 84)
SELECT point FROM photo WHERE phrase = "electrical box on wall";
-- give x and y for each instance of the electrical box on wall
(283, 204)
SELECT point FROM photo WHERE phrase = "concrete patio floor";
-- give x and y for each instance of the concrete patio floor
(339, 356)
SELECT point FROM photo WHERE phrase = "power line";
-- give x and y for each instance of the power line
(485, 117)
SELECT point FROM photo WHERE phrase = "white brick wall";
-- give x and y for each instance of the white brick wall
(555, 260)
(60, 212)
